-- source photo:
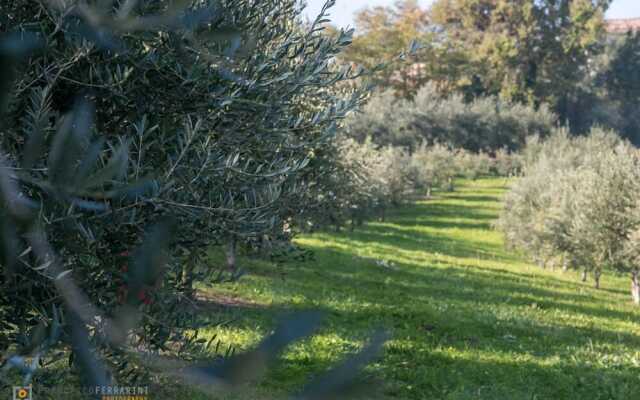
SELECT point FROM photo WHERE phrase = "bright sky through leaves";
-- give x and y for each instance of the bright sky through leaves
(342, 13)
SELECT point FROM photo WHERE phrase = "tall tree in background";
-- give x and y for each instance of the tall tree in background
(384, 32)
(621, 81)
(528, 51)
(522, 50)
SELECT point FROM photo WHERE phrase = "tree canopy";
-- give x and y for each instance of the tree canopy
(525, 51)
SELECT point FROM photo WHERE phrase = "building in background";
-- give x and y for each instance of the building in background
(622, 25)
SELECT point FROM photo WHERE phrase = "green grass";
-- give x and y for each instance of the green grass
(467, 318)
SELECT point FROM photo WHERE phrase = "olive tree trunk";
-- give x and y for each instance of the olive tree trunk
(449, 185)
(635, 286)
(188, 268)
(596, 277)
(542, 263)
(231, 254)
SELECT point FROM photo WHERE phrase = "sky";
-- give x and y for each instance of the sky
(342, 12)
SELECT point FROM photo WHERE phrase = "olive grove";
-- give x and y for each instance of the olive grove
(577, 204)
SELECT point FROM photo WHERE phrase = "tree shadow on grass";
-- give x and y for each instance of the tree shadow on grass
(420, 369)
(474, 198)
(440, 224)
(481, 312)
(417, 241)
(555, 282)
(436, 376)
(427, 211)
(465, 284)
(362, 282)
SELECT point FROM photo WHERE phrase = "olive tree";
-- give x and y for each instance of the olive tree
(435, 167)
(603, 206)
(189, 125)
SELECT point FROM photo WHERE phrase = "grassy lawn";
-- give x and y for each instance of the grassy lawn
(467, 319)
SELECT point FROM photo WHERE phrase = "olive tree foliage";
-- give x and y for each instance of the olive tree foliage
(421, 144)
(379, 178)
(577, 201)
(484, 124)
(225, 119)
(539, 202)
(379, 120)
(632, 260)
(507, 163)
(473, 165)
(435, 167)
(134, 135)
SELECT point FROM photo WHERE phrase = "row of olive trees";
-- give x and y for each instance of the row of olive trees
(201, 123)
(369, 179)
(484, 124)
(577, 205)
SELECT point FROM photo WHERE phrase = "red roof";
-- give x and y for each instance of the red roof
(623, 25)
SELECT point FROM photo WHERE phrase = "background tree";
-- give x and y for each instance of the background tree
(621, 82)
(384, 32)
(527, 51)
